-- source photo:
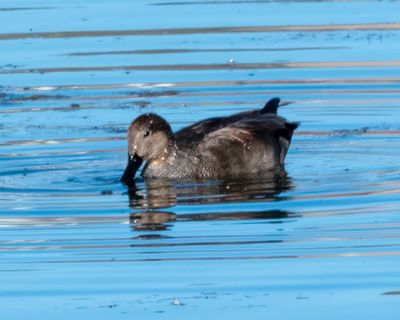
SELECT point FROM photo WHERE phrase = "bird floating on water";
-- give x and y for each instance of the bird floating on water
(251, 143)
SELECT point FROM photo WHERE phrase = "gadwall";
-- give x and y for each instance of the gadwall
(250, 143)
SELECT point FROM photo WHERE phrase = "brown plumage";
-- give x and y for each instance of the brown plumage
(244, 144)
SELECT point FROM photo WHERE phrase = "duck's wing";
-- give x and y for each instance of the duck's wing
(268, 132)
(274, 129)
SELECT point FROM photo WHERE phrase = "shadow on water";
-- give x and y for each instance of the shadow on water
(153, 195)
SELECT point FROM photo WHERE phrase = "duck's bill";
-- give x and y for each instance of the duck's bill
(134, 163)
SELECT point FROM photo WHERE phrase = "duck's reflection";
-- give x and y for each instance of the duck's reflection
(164, 193)
(152, 195)
(151, 220)
(161, 220)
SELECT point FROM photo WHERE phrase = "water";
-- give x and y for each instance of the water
(323, 241)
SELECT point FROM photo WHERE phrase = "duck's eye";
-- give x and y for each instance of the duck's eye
(146, 133)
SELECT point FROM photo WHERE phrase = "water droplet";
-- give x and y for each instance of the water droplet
(176, 302)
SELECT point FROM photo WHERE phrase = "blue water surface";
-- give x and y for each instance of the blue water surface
(322, 242)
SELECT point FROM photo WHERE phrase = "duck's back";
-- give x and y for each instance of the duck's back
(194, 134)
(191, 136)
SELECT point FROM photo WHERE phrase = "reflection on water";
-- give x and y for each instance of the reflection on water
(151, 220)
(164, 193)
(161, 220)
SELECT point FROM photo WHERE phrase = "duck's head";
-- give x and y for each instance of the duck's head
(150, 138)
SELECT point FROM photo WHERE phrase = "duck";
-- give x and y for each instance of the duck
(251, 143)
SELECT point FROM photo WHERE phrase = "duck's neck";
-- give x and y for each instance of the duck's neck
(169, 154)
(161, 166)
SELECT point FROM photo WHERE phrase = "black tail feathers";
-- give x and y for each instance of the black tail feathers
(292, 125)
(271, 106)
